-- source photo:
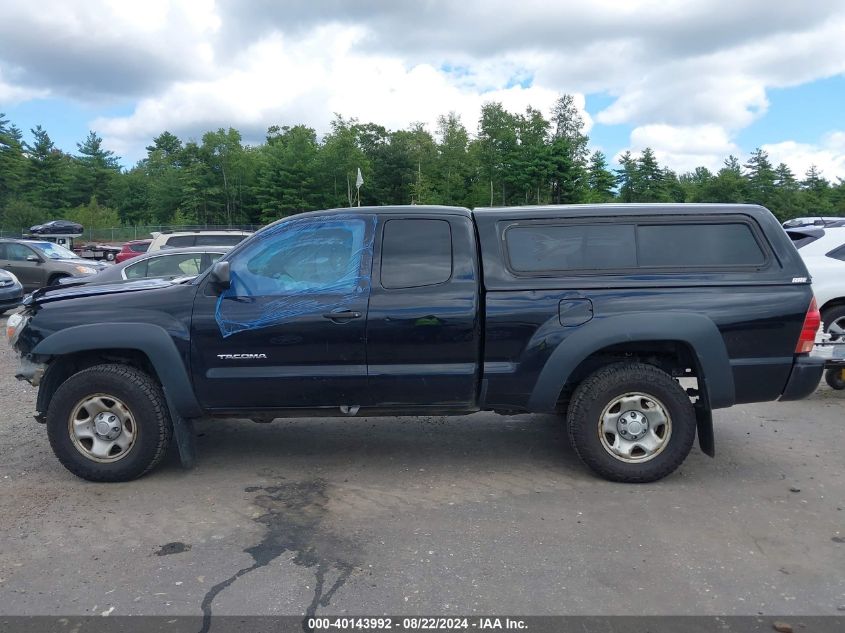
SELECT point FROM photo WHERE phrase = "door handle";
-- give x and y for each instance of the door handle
(342, 315)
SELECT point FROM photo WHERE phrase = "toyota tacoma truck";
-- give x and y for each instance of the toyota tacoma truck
(632, 322)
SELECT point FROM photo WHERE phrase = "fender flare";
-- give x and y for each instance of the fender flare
(152, 340)
(715, 376)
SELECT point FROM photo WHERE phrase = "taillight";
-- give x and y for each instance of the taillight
(809, 329)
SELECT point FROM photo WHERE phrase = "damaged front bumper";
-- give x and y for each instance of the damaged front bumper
(31, 371)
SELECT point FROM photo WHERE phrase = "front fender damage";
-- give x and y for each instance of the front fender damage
(31, 371)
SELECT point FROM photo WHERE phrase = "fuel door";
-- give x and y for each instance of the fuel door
(575, 311)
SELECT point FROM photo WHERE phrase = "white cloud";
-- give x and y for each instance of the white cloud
(685, 148)
(686, 75)
(308, 79)
(828, 155)
(11, 93)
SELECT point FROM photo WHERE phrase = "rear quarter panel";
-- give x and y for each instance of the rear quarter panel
(758, 312)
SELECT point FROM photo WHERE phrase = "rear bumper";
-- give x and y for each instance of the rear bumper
(804, 378)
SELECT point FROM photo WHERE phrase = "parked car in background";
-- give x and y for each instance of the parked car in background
(40, 263)
(199, 237)
(132, 249)
(57, 227)
(820, 221)
(823, 252)
(11, 291)
(167, 264)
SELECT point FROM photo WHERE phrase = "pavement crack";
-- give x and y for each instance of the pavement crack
(294, 518)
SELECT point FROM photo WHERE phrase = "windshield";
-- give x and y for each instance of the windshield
(54, 251)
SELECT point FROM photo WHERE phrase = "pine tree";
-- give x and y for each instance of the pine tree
(94, 170)
(47, 174)
(650, 179)
(12, 162)
(452, 159)
(601, 180)
(568, 153)
(628, 178)
(761, 178)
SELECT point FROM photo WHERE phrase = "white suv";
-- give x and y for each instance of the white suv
(823, 251)
(200, 237)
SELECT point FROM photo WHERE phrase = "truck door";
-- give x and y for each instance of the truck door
(289, 332)
(423, 327)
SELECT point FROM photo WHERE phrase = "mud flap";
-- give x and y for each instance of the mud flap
(183, 433)
(704, 423)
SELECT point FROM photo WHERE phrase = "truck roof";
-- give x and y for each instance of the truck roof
(556, 210)
(622, 209)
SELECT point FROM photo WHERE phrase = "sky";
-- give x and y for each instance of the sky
(695, 80)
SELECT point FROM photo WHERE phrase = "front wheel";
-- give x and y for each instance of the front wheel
(631, 422)
(109, 423)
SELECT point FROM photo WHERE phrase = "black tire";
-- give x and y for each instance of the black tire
(599, 390)
(835, 377)
(142, 397)
(54, 280)
(830, 315)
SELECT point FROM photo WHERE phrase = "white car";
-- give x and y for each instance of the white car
(823, 251)
(200, 237)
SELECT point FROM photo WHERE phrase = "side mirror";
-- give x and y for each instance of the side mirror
(220, 274)
(33, 258)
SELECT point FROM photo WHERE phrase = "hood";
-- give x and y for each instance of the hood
(58, 293)
(80, 261)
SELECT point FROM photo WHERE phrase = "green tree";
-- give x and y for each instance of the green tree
(785, 203)
(729, 185)
(453, 168)
(816, 193)
(338, 162)
(94, 216)
(627, 177)
(697, 184)
(530, 166)
(497, 143)
(18, 215)
(760, 177)
(651, 179)
(12, 162)
(568, 153)
(95, 170)
(46, 175)
(285, 182)
(600, 179)
(223, 155)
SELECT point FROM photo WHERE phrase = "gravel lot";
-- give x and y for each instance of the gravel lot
(483, 514)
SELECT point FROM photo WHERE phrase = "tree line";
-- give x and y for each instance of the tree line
(511, 159)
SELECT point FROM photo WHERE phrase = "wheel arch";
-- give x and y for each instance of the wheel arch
(689, 333)
(145, 345)
(836, 302)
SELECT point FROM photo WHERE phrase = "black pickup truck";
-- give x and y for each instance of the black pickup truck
(633, 322)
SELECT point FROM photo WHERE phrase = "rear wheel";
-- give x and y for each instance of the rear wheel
(631, 422)
(835, 377)
(834, 323)
(109, 423)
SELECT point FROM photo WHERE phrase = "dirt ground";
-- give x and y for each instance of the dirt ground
(482, 514)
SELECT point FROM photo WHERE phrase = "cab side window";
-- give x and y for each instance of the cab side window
(416, 253)
(314, 257)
